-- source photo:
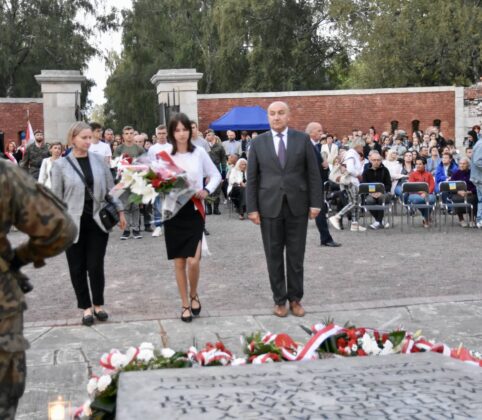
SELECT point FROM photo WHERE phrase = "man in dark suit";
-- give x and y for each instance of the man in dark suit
(283, 190)
(315, 131)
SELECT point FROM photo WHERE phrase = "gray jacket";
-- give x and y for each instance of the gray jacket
(268, 183)
(68, 186)
(476, 167)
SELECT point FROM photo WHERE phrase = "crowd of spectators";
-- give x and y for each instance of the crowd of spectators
(392, 158)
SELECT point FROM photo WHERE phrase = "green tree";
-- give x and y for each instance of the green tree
(40, 35)
(237, 45)
(398, 43)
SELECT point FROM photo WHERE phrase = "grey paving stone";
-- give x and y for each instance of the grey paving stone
(181, 335)
(48, 382)
(393, 387)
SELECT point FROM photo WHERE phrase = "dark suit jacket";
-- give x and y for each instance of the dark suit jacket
(268, 182)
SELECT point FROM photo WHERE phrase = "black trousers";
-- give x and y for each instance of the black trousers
(371, 201)
(86, 257)
(238, 195)
(285, 232)
(322, 226)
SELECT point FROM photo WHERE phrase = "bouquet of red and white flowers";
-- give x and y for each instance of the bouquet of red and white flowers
(144, 181)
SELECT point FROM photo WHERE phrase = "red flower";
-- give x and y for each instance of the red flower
(341, 342)
(156, 182)
(127, 158)
(360, 352)
(284, 341)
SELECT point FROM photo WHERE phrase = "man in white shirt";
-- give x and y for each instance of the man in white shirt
(162, 144)
(97, 146)
(231, 145)
(197, 139)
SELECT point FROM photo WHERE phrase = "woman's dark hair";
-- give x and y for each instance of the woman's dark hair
(173, 123)
(422, 159)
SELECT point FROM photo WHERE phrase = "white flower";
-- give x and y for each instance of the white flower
(104, 382)
(149, 195)
(119, 360)
(92, 386)
(238, 362)
(127, 178)
(131, 354)
(138, 184)
(347, 350)
(354, 348)
(86, 410)
(167, 353)
(369, 345)
(146, 346)
(387, 348)
(145, 355)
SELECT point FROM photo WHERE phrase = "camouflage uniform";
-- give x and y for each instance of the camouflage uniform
(32, 160)
(38, 213)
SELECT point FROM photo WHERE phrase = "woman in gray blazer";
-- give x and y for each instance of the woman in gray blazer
(86, 256)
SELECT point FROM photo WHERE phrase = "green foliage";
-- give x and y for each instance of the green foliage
(411, 42)
(238, 45)
(40, 35)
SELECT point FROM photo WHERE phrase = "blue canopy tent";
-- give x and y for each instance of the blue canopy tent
(242, 118)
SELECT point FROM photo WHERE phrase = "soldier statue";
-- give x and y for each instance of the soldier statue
(35, 211)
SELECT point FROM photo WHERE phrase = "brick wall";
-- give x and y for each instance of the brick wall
(340, 113)
(13, 117)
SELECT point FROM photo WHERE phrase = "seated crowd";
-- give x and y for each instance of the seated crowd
(391, 159)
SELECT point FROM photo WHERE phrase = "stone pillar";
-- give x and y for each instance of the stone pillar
(459, 117)
(61, 93)
(180, 84)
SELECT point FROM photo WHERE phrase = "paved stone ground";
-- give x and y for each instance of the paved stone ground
(418, 279)
(376, 266)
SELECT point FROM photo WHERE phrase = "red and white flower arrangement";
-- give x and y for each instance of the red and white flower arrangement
(329, 338)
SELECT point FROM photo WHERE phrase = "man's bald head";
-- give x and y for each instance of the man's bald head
(139, 139)
(278, 116)
(314, 130)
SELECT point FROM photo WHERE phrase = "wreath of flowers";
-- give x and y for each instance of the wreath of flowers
(326, 339)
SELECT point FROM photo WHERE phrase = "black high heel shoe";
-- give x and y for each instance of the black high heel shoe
(196, 311)
(186, 318)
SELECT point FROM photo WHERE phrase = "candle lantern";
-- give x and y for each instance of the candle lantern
(59, 409)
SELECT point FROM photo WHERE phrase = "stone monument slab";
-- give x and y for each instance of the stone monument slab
(423, 386)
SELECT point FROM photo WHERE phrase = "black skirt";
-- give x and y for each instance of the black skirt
(184, 232)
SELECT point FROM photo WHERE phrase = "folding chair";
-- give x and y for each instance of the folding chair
(453, 187)
(366, 189)
(411, 208)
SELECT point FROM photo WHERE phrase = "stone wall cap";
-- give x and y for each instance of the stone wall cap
(176, 75)
(60, 76)
(21, 100)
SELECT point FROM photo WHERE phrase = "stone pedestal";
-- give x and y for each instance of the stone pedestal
(179, 86)
(422, 386)
(61, 92)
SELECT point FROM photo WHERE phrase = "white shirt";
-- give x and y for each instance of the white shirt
(157, 148)
(276, 139)
(45, 172)
(100, 148)
(198, 165)
(201, 142)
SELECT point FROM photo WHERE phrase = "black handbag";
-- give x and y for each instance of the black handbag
(109, 216)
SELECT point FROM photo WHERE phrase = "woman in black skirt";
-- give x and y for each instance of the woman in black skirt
(184, 232)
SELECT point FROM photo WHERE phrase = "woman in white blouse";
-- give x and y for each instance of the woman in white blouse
(184, 232)
(46, 168)
(237, 186)
(394, 167)
(331, 150)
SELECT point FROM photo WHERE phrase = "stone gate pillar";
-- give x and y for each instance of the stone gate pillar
(178, 87)
(61, 93)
